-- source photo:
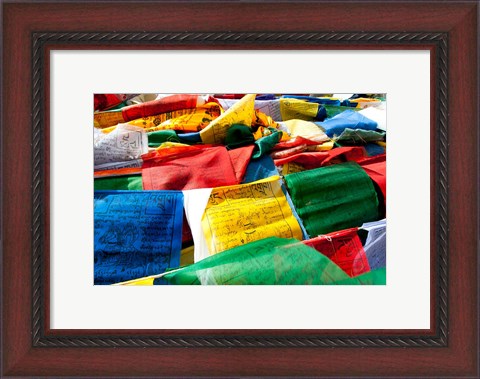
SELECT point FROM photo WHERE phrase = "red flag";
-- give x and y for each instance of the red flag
(240, 158)
(316, 159)
(344, 248)
(376, 169)
(106, 101)
(166, 104)
(189, 168)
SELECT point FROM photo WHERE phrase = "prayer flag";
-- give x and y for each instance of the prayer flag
(136, 234)
(240, 113)
(333, 198)
(189, 168)
(349, 119)
(265, 262)
(376, 243)
(240, 214)
(125, 143)
(126, 182)
(344, 248)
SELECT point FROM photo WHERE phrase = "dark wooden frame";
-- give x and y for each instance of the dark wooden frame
(447, 29)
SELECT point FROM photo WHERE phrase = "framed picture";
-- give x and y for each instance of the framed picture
(190, 192)
(423, 56)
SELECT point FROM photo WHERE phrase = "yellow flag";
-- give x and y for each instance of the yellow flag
(291, 109)
(236, 215)
(109, 129)
(186, 256)
(261, 119)
(151, 122)
(147, 281)
(241, 112)
(305, 129)
(291, 168)
(106, 119)
(193, 122)
(167, 145)
(322, 147)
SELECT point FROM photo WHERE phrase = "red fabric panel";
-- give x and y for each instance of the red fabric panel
(282, 154)
(377, 171)
(107, 100)
(240, 158)
(297, 141)
(160, 154)
(166, 104)
(344, 248)
(316, 159)
(189, 168)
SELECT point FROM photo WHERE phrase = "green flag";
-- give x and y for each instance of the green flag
(158, 137)
(333, 110)
(268, 261)
(127, 182)
(360, 136)
(374, 277)
(333, 198)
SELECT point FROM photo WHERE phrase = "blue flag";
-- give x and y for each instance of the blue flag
(136, 233)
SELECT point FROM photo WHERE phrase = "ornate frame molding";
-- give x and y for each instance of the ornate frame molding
(209, 39)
